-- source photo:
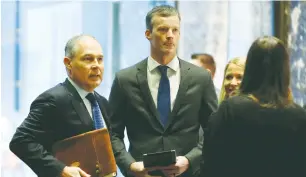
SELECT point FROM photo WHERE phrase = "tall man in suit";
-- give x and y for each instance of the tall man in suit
(161, 101)
(63, 111)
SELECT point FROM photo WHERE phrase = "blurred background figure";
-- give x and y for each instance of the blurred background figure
(260, 132)
(233, 74)
(207, 62)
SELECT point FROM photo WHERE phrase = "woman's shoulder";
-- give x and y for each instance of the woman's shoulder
(240, 100)
(245, 102)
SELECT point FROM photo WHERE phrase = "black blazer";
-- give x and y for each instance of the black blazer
(243, 139)
(56, 114)
(134, 109)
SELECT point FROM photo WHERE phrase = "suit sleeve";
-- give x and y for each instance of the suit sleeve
(118, 104)
(33, 135)
(208, 106)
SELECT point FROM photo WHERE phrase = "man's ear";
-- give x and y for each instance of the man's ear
(67, 62)
(148, 34)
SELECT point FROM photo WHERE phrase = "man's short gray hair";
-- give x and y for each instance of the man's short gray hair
(163, 11)
(70, 48)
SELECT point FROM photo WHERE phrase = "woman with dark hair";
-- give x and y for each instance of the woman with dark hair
(260, 132)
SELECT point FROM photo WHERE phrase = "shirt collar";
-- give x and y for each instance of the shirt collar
(83, 93)
(174, 64)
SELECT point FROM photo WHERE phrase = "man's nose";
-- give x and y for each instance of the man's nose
(95, 63)
(170, 34)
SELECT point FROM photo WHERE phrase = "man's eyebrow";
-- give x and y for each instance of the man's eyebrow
(90, 55)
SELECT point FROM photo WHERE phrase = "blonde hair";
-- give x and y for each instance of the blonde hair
(239, 61)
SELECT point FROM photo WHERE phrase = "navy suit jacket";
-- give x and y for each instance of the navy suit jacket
(134, 109)
(56, 114)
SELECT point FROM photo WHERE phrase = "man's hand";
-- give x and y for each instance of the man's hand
(138, 170)
(74, 172)
(178, 168)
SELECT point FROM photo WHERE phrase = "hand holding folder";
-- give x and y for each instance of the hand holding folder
(91, 151)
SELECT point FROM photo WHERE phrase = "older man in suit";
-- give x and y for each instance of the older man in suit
(161, 101)
(64, 110)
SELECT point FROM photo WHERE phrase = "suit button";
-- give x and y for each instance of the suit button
(97, 171)
(97, 166)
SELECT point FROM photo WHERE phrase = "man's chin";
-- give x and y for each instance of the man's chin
(95, 84)
(169, 51)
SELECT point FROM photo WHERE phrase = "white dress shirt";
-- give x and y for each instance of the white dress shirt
(83, 93)
(173, 73)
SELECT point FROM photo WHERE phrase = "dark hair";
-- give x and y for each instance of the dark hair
(204, 58)
(163, 11)
(267, 73)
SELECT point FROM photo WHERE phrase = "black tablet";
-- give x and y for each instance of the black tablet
(163, 158)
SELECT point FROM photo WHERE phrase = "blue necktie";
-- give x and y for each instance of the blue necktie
(96, 112)
(163, 96)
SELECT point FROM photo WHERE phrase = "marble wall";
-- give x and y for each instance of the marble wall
(224, 29)
(297, 46)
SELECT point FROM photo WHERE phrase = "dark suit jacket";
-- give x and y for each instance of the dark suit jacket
(134, 109)
(243, 139)
(56, 114)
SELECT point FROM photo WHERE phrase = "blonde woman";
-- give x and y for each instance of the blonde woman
(233, 74)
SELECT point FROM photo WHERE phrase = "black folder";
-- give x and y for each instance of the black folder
(163, 158)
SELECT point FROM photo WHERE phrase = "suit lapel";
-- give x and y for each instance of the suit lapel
(102, 107)
(144, 87)
(78, 104)
(184, 83)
